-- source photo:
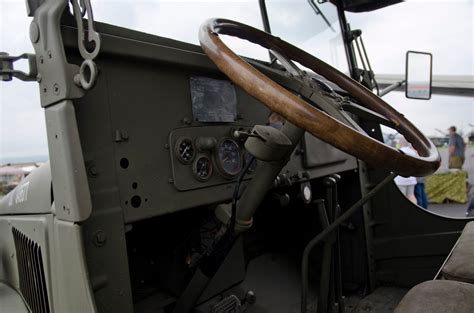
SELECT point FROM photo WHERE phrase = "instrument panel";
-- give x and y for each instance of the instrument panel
(205, 156)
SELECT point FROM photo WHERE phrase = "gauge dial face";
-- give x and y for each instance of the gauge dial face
(247, 157)
(185, 150)
(202, 168)
(228, 158)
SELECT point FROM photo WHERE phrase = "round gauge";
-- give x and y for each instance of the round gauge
(202, 168)
(185, 150)
(247, 157)
(228, 159)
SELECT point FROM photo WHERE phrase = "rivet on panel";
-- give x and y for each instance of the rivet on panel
(187, 121)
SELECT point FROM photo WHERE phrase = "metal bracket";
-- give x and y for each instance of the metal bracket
(55, 74)
(7, 70)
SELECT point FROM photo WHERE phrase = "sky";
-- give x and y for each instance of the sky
(444, 28)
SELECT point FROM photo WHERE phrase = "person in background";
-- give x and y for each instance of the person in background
(407, 184)
(470, 208)
(456, 149)
(420, 194)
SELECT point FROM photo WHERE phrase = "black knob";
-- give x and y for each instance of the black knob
(206, 143)
(250, 297)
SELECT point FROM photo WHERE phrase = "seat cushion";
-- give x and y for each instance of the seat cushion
(438, 296)
(460, 265)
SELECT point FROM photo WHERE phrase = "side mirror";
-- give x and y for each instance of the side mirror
(418, 75)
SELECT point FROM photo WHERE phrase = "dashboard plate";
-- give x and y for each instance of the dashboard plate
(213, 100)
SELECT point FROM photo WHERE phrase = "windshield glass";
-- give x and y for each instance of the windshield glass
(180, 20)
(311, 26)
(295, 21)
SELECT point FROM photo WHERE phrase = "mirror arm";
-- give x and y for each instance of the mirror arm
(391, 87)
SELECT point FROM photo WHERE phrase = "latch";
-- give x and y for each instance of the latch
(7, 70)
(88, 71)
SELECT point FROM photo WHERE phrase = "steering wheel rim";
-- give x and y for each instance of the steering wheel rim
(304, 115)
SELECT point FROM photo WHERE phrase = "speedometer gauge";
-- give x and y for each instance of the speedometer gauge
(228, 159)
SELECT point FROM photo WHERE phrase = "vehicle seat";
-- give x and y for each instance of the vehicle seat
(460, 263)
(438, 296)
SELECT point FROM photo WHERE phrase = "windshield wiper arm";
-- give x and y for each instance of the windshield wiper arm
(318, 11)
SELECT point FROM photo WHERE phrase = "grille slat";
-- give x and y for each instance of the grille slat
(31, 272)
(28, 271)
(42, 282)
(34, 269)
(20, 258)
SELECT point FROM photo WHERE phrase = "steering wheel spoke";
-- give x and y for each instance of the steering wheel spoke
(289, 66)
(333, 106)
(367, 114)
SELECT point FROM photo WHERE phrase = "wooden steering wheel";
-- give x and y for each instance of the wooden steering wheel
(344, 136)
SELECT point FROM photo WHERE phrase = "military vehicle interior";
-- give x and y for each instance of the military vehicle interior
(165, 141)
(167, 118)
(160, 130)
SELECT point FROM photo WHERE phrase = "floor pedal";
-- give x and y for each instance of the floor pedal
(230, 304)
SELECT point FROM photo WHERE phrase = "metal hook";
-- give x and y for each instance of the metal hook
(92, 35)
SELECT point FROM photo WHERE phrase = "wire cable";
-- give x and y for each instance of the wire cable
(235, 195)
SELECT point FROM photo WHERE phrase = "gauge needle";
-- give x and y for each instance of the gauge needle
(184, 151)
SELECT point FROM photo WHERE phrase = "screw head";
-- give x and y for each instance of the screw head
(77, 80)
(124, 135)
(100, 238)
(56, 89)
(187, 121)
(93, 172)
